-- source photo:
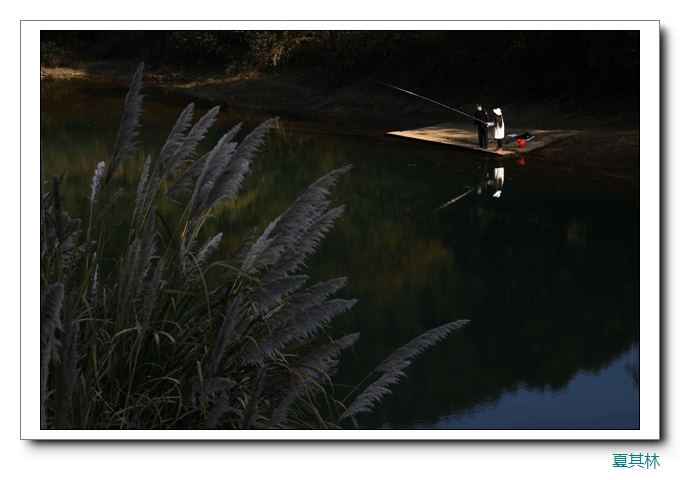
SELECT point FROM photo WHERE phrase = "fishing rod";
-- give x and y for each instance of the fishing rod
(429, 100)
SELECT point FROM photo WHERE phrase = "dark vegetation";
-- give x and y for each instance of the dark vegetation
(588, 68)
(156, 331)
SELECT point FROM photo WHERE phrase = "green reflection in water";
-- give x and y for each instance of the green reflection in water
(548, 272)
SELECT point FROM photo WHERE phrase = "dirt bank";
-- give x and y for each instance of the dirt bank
(608, 141)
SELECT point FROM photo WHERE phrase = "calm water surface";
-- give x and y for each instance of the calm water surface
(548, 272)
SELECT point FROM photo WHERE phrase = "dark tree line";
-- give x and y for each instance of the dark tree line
(587, 64)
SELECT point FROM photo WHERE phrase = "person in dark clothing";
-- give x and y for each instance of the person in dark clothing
(481, 122)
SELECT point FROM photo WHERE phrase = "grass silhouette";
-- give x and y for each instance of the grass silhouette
(156, 333)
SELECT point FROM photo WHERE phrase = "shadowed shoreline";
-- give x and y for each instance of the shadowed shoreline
(608, 143)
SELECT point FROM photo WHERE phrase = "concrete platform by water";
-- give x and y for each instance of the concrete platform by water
(453, 134)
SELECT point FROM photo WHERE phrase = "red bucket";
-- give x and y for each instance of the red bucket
(520, 142)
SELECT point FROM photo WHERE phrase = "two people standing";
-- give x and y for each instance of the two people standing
(482, 123)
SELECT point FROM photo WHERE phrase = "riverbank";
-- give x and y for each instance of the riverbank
(607, 141)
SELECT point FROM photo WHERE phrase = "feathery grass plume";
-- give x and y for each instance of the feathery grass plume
(212, 166)
(219, 408)
(293, 258)
(66, 373)
(270, 292)
(148, 246)
(308, 375)
(232, 174)
(198, 210)
(303, 325)
(278, 417)
(68, 249)
(289, 228)
(319, 364)
(225, 333)
(299, 215)
(188, 240)
(283, 250)
(186, 178)
(216, 392)
(96, 180)
(221, 388)
(260, 253)
(127, 131)
(184, 150)
(141, 186)
(95, 275)
(178, 149)
(153, 291)
(393, 367)
(138, 262)
(58, 222)
(129, 273)
(214, 386)
(196, 169)
(241, 251)
(176, 136)
(50, 306)
(208, 247)
(252, 410)
(223, 171)
(300, 317)
(191, 268)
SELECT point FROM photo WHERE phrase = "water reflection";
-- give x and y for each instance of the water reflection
(606, 399)
(548, 272)
(492, 180)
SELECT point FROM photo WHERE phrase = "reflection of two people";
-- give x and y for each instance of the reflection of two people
(494, 181)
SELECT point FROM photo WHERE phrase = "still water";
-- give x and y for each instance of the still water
(546, 265)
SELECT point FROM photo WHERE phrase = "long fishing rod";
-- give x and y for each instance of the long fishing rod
(429, 100)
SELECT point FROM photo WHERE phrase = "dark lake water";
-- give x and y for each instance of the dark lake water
(548, 272)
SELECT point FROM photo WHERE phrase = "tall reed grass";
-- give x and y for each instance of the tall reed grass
(159, 332)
